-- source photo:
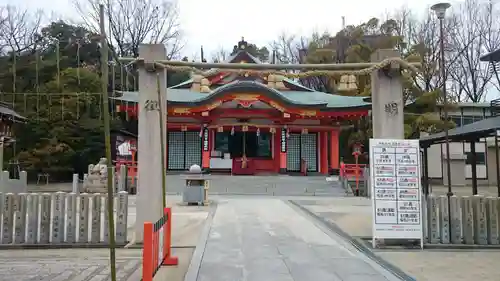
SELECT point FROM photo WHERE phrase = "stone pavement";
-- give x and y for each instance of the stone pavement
(267, 239)
(354, 214)
(67, 265)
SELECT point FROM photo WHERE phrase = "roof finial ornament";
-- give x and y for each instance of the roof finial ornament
(242, 44)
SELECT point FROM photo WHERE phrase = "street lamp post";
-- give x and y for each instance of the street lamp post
(440, 10)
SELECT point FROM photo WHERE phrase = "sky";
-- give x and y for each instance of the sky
(222, 23)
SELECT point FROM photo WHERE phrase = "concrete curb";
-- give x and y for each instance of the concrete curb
(195, 264)
(59, 246)
(357, 243)
(270, 194)
(430, 247)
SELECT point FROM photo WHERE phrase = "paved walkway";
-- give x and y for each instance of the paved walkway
(354, 216)
(268, 240)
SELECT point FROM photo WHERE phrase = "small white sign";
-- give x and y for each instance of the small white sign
(396, 189)
(160, 246)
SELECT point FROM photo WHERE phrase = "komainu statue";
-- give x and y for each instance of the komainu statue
(97, 177)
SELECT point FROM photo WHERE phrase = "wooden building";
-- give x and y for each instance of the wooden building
(7, 119)
(251, 124)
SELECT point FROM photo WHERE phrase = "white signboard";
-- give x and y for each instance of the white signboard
(396, 189)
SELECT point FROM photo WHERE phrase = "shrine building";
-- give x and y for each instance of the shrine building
(243, 123)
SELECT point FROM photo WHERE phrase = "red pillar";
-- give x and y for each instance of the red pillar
(334, 152)
(205, 155)
(282, 150)
(323, 152)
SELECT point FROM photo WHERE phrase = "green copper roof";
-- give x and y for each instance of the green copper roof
(294, 98)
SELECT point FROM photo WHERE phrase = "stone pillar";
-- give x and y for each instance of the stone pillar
(72, 213)
(282, 150)
(492, 219)
(387, 98)
(8, 218)
(76, 184)
(95, 232)
(455, 223)
(83, 222)
(105, 228)
(149, 189)
(58, 224)
(122, 178)
(334, 152)
(113, 182)
(432, 219)
(444, 219)
(467, 220)
(122, 217)
(323, 151)
(480, 225)
(33, 218)
(20, 209)
(45, 217)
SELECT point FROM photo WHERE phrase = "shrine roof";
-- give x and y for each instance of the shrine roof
(7, 111)
(296, 94)
(187, 97)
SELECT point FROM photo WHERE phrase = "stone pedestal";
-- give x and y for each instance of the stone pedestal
(387, 98)
(149, 189)
(457, 168)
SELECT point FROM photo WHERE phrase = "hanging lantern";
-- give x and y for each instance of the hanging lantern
(357, 149)
(305, 131)
(342, 83)
(272, 130)
(287, 133)
(232, 131)
(220, 129)
(201, 132)
(347, 83)
(258, 132)
(244, 128)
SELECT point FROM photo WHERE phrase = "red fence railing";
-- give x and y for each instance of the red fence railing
(352, 171)
(157, 249)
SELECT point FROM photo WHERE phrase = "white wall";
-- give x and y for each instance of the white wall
(435, 159)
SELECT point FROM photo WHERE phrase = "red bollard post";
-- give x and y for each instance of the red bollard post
(169, 259)
(147, 253)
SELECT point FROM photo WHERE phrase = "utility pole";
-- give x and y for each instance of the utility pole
(107, 143)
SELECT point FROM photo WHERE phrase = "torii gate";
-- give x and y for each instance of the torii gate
(387, 112)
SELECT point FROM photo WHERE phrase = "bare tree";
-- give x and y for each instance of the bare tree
(470, 37)
(133, 22)
(220, 55)
(491, 36)
(287, 48)
(19, 29)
